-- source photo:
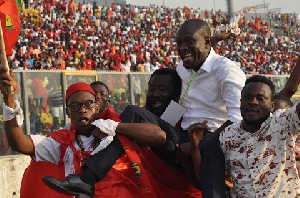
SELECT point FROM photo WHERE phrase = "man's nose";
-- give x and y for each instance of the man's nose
(82, 109)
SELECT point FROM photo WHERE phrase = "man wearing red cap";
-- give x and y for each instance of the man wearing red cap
(173, 181)
(68, 149)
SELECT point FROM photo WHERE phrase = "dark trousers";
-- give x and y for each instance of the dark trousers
(101, 162)
(212, 169)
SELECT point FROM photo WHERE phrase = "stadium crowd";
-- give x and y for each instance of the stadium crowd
(66, 35)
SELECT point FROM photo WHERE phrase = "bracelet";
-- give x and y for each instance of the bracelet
(10, 113)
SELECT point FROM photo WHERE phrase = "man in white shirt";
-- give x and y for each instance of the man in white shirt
(211, 83)
(259, 150)
(211, 90)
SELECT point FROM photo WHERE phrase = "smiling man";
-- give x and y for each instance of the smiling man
(211, 84)
(259, 150)
(211, 90)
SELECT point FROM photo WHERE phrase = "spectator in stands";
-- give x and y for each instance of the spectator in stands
(80, 32)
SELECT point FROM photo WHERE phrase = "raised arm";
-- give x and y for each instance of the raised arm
(219, 37)
(17, 140)
(293, 82)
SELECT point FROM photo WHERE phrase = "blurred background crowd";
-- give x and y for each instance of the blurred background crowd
(64, 35)
(61, 36)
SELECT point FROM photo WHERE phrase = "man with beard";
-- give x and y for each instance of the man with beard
(211, 90)
(166, 177)
(259, 150)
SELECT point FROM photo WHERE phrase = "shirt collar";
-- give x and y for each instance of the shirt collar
(208, 63)
(264, 125)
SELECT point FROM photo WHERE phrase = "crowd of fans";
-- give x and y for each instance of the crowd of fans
(74, 36)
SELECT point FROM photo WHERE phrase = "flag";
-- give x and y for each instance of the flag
(10, 22)
(257, 24)
(236, 18)
(187, 12)
(20, 5)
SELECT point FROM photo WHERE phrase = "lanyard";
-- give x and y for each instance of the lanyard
(189, 83)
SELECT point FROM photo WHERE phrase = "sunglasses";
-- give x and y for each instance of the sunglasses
(75, 106)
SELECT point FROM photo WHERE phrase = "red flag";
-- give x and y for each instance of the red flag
(187, 12)
(10, 22)
(257, 24)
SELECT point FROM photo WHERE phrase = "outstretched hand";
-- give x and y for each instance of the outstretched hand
(8, 82)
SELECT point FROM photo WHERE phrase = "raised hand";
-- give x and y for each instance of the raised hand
(8, 83)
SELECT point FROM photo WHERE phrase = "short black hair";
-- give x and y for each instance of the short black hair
(100, 83)
(285, 99)
(175, 78)
(198, 23)
(261, 79)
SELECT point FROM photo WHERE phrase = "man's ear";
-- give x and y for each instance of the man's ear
(208, 41)
(272, 106)
(107, 103)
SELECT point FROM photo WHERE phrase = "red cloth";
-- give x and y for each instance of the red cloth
(172, 182)
(124, 175)
(120, 181)
(257, 24)
(32, 177)
(10, 22)
(80, 86)
(166, 180)
(32, 185)
(187, 12)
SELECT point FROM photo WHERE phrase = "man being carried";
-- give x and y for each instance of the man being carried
(211, 90)
(164, 86)
(69, 149)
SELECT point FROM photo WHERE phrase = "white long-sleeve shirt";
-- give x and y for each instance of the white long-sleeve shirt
(214, 94)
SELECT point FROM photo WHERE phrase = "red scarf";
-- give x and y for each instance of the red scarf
(119, 182)
(128, 172)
